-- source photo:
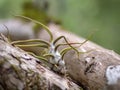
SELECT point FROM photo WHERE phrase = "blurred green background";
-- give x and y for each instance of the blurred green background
(79, 16)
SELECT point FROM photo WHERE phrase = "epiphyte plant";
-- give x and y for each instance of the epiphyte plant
(53, 57)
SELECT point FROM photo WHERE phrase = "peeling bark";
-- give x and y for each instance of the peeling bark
(21, 71)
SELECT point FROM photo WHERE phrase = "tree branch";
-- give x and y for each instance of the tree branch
(96, 69)
(21, 71)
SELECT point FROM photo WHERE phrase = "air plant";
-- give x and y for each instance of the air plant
(53, 57)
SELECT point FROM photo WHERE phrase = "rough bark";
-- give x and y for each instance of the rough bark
(21, 71)
(96, 69)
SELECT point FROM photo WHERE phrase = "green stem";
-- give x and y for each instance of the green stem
(88, 38)
(57, 46)
(64, 51)
(48, 55)
(66, 42)
(30, 40)
(37, 22)
(39, 57)
(33, 45)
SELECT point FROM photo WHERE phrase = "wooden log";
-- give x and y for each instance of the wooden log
(17, 29)
(21, 71)
(96, 69)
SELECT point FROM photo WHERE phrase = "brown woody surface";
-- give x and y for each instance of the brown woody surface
(21, 71)
(91, 67)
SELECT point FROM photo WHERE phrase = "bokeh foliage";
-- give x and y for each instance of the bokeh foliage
(81, 17)
(85, 16)
(9, 7)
